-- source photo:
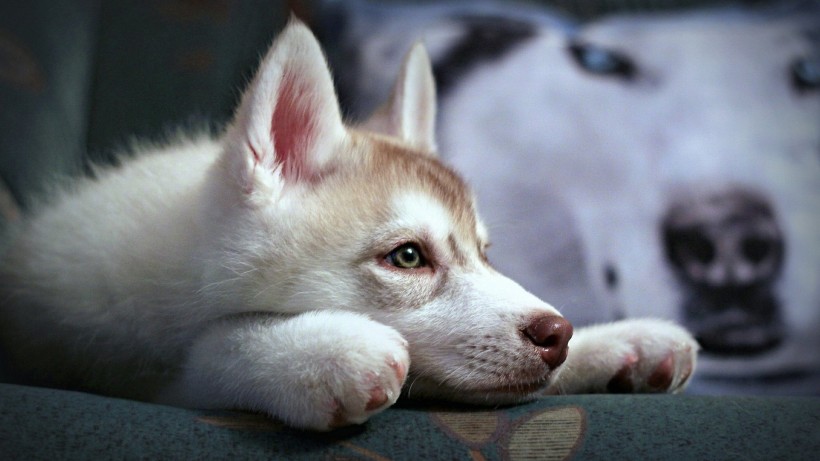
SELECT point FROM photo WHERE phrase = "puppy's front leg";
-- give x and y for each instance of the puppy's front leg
(317, 370)
(640, 355)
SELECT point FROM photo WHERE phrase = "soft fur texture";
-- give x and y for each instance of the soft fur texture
(268, 269)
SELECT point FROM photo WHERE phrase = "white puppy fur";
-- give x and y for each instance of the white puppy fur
(301, 268)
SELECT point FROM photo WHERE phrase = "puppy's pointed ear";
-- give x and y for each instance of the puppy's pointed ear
(288, 125)
(410, 113)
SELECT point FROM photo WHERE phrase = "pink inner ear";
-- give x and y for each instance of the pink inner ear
(293, 125)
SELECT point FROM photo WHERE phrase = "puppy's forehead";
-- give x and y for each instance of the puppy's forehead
(421, 192)
(419, 210)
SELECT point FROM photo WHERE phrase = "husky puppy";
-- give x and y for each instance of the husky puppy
(655, 164)
(301, 268)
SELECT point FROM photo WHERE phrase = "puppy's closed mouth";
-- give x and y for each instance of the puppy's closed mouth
(521, 389)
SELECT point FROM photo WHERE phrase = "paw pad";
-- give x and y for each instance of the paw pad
(621, 383)
(663, 375)
(369, 392)
(660, 379)
(378, 397)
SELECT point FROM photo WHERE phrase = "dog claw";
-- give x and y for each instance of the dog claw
(378, 397)
(621, 383)
(661, 378)
(400, 369)
(686, 372)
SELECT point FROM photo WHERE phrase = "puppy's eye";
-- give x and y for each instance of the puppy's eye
(601, 61)
(407, 256)
(805, 73)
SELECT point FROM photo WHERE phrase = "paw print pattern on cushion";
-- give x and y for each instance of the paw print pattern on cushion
(548, 434)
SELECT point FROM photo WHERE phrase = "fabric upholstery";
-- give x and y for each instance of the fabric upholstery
(50, 424)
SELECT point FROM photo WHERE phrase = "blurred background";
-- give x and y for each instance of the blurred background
(632, 158)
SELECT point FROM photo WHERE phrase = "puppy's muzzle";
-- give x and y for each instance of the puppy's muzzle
(551, 335)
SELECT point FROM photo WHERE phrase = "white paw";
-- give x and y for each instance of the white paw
(352, 369)
(365, 389)
(640, 355)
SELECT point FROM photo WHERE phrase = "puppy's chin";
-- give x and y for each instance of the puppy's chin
(485, 392)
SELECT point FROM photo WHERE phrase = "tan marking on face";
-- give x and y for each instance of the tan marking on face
(345, 225)
(377, 172)
(440, 184)
(390, 167)
(458, 256)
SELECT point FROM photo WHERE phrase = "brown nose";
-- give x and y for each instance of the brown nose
(551, 334)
